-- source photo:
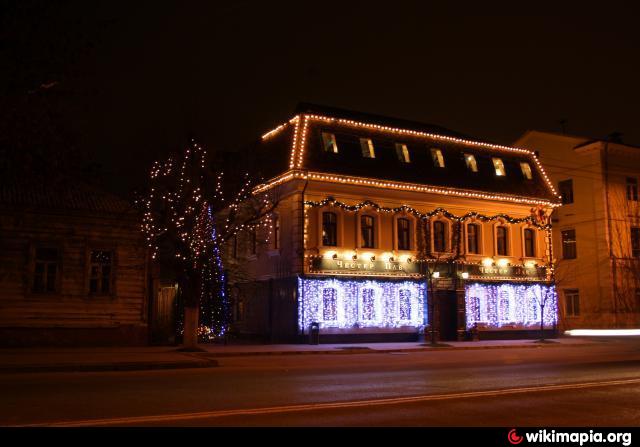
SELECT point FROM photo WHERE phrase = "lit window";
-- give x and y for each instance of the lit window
(368, 304)
(438, 159)
(572, 302)
(329, 304)
(45, 275)
(499, 167)
(569, 249)
(367, 148)
(632, 189)
(472, 165)
(405, 304)
(100, 272)
(526, 170)
(566, 191)
(329, 142)
(402, 151)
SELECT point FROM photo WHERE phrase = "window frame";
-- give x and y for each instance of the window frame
(563, 243)
(507, 242)
(402, 152)
(471, 166)
(478, 238)
(329, 140)
(408, 232)
(335, 224)
(367, 148)
(35, 246)
(571, 296)
(361, 228)
(635, 251)
(89, 265)
(534, 242)
(566, 200)
(528, 172)
(446, 232)
(632, 189)
(498, 166)
(437, 158)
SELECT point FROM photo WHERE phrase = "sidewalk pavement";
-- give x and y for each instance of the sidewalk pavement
(23, 360)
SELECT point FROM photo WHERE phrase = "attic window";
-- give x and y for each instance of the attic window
(470, 160)
(526, 170)
(438, 159)
(499, 167)
(367, 148)
(329, 142)
(402, 151)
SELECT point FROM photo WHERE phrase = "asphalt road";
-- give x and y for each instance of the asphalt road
(548, 386)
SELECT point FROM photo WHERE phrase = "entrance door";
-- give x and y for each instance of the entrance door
(448, 315)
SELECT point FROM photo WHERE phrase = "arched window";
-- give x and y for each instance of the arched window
(404, 239)
(329, 229)
(368, 304)
(439, 236)
(473, 238)
(405, 304)
(501, 241)
(329, 304)
(529, 243)
(367, 231)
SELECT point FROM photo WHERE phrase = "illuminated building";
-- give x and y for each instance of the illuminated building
(370, 207)
(596, 231)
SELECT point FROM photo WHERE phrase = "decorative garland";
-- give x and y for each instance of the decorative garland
(410, 210)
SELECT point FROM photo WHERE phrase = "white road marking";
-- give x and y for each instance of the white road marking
(325, 406)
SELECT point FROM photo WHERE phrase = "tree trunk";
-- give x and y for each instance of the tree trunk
(190, 335)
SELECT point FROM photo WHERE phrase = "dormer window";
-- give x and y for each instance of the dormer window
(367, 148)
(470, 160)
(329, 142)
(526, 170)
(402, 151)
(438, 159)
(499, 167)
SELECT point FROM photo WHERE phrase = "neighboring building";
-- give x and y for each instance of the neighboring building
(596, 231)
(73, 269)
(369, 207)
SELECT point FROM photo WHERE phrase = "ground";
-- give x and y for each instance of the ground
(573, 385)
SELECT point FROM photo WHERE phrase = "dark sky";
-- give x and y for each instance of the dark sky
(146, 74)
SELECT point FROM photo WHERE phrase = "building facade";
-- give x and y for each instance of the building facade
(74, 267)
(385, 228)
(596, 231)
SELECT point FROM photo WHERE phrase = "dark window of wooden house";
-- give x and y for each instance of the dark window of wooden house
(329, 229)
(100, 271)
(502, 244)
(276, 232)
(569, 249)
(566, 191)
(404, 240)
(473, 238)
(47, 265)
(439, 236)
(632, 189)
(367, 230)
(635, 242)
(529, 243)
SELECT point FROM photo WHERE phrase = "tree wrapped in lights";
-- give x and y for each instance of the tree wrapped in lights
(188, 218)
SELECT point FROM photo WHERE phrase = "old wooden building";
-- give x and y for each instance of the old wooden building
(387, 227)
(73, 267)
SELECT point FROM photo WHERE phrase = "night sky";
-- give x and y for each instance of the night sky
(141, 76)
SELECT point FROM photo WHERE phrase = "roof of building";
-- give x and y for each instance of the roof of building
(62, 195)
(279, 154)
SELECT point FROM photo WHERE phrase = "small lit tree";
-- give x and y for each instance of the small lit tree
(189, 216)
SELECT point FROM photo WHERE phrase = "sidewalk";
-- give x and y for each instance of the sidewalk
(27, 360)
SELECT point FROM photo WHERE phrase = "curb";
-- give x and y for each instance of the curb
(100, 367)
(337, 351)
